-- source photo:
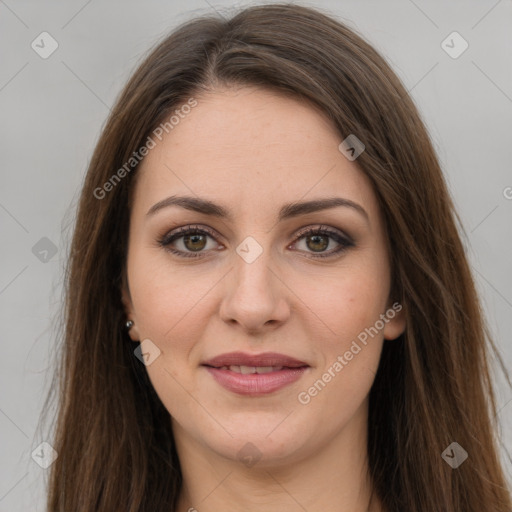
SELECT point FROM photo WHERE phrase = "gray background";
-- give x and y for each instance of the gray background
(52, 111)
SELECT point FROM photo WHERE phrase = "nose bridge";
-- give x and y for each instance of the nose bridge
(255, 295)
(252, 265)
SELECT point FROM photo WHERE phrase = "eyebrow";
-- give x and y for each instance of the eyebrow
(287, 211)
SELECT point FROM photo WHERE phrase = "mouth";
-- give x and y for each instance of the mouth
(247, 370)
(250, 374)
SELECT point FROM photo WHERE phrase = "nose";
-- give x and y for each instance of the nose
(255, 298)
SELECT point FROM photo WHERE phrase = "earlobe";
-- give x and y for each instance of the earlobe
(395, 321)
(132, 330)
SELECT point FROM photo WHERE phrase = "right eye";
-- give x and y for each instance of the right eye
(193, 241)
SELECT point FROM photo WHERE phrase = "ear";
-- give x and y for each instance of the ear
(128, 309)
(395, 322)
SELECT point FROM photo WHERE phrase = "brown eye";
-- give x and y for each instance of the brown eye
(195, 242)
(317, 240)
(191, 241)
(317, 243)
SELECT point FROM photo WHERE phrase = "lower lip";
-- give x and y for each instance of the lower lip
(256, 383)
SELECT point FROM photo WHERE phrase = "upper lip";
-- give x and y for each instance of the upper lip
(258, 360)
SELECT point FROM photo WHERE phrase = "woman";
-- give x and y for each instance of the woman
(268, 305)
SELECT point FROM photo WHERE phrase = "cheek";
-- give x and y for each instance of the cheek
(172, 310)
(350, 348)
(167, 298)
(349, 302)
(345, 301)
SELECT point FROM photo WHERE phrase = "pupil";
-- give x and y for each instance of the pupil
(316, 237)
(194, 239)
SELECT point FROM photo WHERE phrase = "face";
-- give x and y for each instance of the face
(306, 288)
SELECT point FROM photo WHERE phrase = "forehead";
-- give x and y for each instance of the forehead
(251, 147)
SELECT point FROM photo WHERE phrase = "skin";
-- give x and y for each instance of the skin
(253, 150)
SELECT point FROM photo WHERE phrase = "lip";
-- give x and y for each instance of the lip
(255, 384)
(263, 359)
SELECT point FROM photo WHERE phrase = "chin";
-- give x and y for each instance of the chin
(265, 443)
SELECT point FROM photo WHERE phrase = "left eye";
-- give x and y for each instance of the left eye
(194, 241)
(318, 240)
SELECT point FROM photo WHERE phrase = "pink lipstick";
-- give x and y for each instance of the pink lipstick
(255, 374)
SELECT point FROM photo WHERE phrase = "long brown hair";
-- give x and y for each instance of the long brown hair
(433, 386)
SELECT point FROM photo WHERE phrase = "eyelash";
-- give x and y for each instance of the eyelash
(344, 241)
